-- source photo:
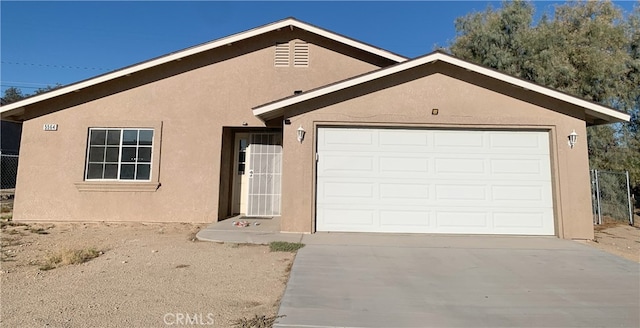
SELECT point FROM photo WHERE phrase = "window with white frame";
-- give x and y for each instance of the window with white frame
(119, 154)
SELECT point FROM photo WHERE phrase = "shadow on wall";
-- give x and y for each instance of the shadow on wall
(10, 133)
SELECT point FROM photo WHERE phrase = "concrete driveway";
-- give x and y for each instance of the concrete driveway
(369, 280)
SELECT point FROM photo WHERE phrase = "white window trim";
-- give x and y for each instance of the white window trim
(120, 162)
(127, 185)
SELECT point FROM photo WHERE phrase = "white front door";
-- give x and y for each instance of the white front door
(434, 181)
(240, 176)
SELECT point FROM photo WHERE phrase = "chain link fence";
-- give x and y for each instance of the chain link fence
(611, 197)
(8, 171)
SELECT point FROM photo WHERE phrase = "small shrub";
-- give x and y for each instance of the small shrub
(6, 208)
(47, 267)
(9, 223)
(39, 231)
(256, 322)
(283, 246)
(67, 257)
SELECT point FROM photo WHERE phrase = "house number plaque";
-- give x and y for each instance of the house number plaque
(50, 127)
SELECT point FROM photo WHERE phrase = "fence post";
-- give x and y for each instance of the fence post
(595, 172)
(629, 198)
(594, 209)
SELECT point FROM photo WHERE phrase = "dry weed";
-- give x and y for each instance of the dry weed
(69, 256)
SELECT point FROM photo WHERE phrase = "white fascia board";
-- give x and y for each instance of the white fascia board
(539, 89)
(197, 49)
(265, 109)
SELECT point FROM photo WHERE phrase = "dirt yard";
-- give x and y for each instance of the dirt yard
(619, 239)
(145, 275)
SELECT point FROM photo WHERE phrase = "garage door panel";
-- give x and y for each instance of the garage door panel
(440, 181)
(524, 222)
(409, 165)
(343, 216)
(339, 137)
(448, 140)
(461, 220)
(348, 190)
(403, 138)
(409, 191)
(346, 164)
(461, 192)
(404, 218)
(460, 166)
(517, 142)
(535, 167)
(520, 193)
(518, 219)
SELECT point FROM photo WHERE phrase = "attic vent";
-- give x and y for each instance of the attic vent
(300, 54)
(282, 55)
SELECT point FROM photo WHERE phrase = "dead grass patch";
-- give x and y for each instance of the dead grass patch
(608, 222)
(6, 208)
(257, 321)
(8, 223)
(192, 236)
(68, 257)
(39, 231)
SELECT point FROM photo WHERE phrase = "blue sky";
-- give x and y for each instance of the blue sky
(44, 43)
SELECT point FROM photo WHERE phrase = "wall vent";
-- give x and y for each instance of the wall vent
(300, 54)
(282, 55)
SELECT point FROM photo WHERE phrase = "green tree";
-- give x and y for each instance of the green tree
(12, 94)
(588, 49)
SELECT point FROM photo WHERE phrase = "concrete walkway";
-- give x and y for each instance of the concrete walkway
(390, 280)
(266, 231)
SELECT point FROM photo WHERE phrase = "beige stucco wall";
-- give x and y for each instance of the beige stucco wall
(188, 103)
(464, 100)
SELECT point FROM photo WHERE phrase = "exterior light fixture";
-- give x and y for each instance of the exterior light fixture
(300, 133)
(434, 111)
(573, 138)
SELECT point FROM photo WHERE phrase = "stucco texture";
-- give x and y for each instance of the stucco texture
(187, 102)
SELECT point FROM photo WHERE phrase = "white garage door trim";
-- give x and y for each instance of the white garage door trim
(434, 181)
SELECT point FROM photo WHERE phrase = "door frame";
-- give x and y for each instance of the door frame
(229, 166)
(239, 182)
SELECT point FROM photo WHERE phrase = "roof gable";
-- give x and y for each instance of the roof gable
(18, 107)
(603, 113)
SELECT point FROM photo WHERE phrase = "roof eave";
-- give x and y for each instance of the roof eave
(198, 49)
(607, 114)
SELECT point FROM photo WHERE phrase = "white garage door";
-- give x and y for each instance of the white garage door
(434, 181)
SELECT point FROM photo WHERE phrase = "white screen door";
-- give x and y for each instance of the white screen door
(265, 172)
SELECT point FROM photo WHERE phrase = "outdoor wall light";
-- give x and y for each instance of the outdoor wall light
(573, 138)
(300, 133)
(434, 111)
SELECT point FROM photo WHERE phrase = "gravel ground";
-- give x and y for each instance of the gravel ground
(619, 239)
(150, 275)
